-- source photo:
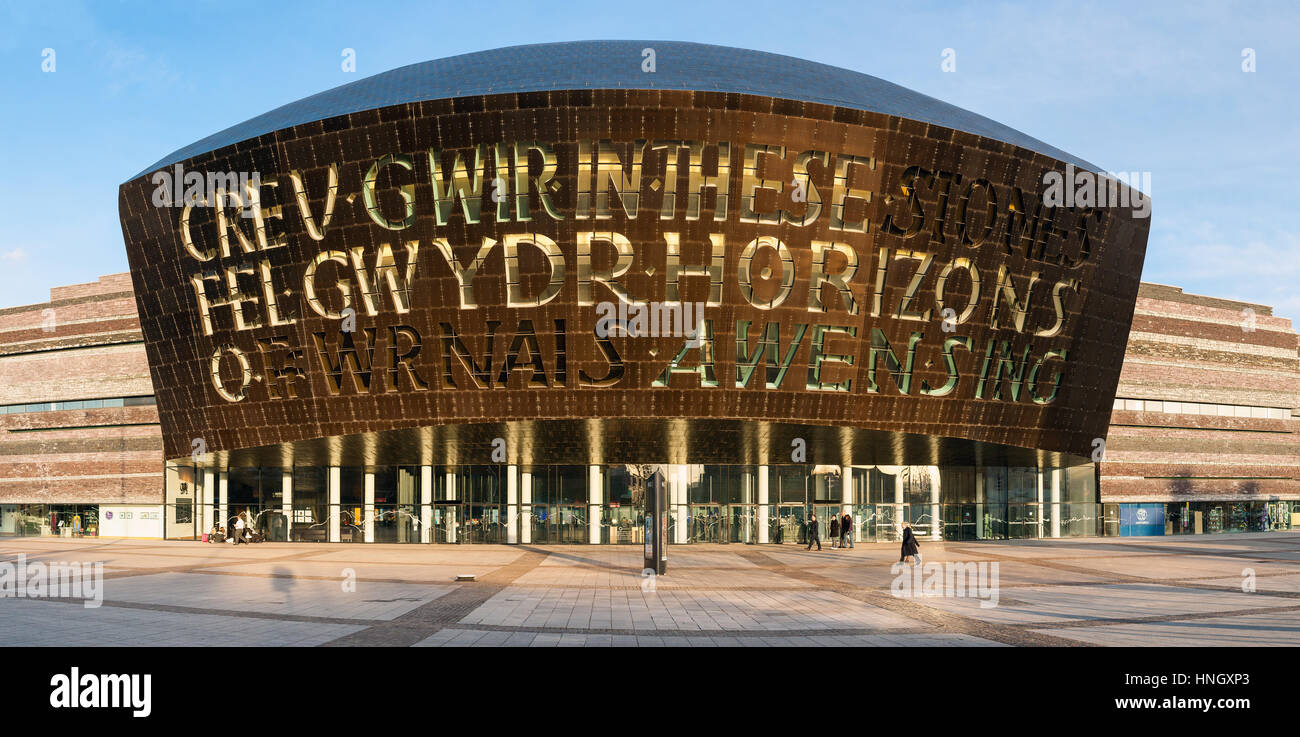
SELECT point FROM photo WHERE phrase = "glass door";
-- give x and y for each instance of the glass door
(705, 523)
(570, 523)
(787, 525)
(624, 525)
(959, 522)
(540, 518)
(740, 524)
(1022, 521)
(556, 523)
(1110, 520)
(445, 522)
(483, 524)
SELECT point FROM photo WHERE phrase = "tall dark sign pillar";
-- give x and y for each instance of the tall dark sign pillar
(656, 524)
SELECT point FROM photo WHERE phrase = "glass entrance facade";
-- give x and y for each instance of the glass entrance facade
(720, 504)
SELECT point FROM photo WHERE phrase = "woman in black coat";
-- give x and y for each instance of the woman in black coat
(910, 547)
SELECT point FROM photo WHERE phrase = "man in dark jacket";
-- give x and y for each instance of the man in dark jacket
(846, 530)
(835, 529)
(813, 536)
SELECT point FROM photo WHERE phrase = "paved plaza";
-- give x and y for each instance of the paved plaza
(1105, 591)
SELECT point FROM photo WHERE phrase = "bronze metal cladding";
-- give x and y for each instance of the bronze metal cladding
(449, 263)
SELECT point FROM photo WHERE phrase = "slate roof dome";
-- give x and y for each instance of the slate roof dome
(571, 65)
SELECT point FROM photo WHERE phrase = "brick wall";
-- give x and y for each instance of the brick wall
(85, 343)
(1188, 348)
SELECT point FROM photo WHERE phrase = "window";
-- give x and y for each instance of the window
(184, 511)
(1202, 408)
(11, 409)
(352, 486)
(243, 486)
(309, 486)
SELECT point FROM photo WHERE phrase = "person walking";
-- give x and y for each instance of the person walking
(846, 530)
(910, 546)
(239, 529)
(835, 530)
(813, 537)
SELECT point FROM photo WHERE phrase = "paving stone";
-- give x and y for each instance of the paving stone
(1141, 591)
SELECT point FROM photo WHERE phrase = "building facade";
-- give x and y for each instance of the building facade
(1174, 461)
(1203, 434)
(486, 298)
(80, 444)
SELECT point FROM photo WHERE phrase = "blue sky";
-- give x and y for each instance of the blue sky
(1128, 86)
